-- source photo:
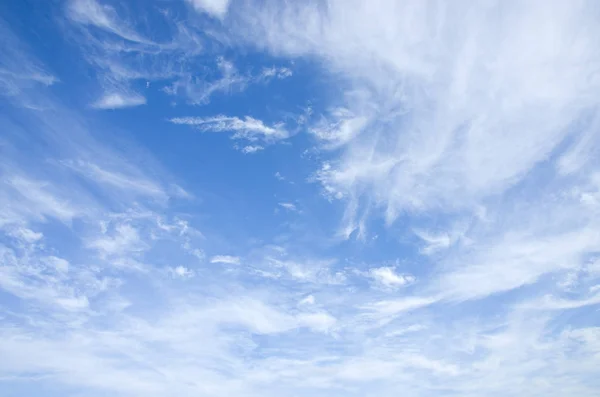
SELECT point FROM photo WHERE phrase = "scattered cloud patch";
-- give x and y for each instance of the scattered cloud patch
(342, 127)
(229, 81)
(226, 259)
(463, 136)
(387, 277)
(119, 101)
(433, 242)
(279, 73)
(289, 206)
(181, 272)
(215, 8)
(251, 149)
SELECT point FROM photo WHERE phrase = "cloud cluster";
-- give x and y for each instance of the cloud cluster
(440, 93)
(464, 134)
(124, 54)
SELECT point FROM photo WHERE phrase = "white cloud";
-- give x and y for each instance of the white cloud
(451, 92)
(404, 331)
(514, 260)
(229, 80)
(387, 277)
(8, 77)
(102, 16)
(309, 300)
(119, 100)
(251, 149)
(552, 303)
(308, 271)
(226, 259)
(247, 128)
(20, 73)
(60, 264)
(441, 125)
(181, 272)
(132, 181)
(434, 242)
(279, 73)
(319, 322)
(340, 129)
(33, 199)
(434, 97)
(199, 93)
(122, 52)
(393, 307)
(289, 206)
(122, 240)
(26, 235)
(215, 8)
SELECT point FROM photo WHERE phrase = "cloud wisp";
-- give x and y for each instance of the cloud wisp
(247, 129)
(421, 219)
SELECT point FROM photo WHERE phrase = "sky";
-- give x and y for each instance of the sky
(299, 198)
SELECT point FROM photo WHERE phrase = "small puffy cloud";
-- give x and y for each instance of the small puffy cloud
(279, 73)
(251, 149)
(288, 206)
(215, 8)
(226, 259)
(181, 272)
(388, 278)
(118, 101)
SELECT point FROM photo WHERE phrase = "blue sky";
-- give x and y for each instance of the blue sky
(312, 198)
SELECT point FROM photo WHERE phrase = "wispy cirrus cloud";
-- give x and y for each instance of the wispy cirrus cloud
(455, 141)
(289, 206)
(228, 80)
(461, 91)
(124, 53)
(226, 259)
(247, 129)
(429, 130)
(119, 101)
(91, 12)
